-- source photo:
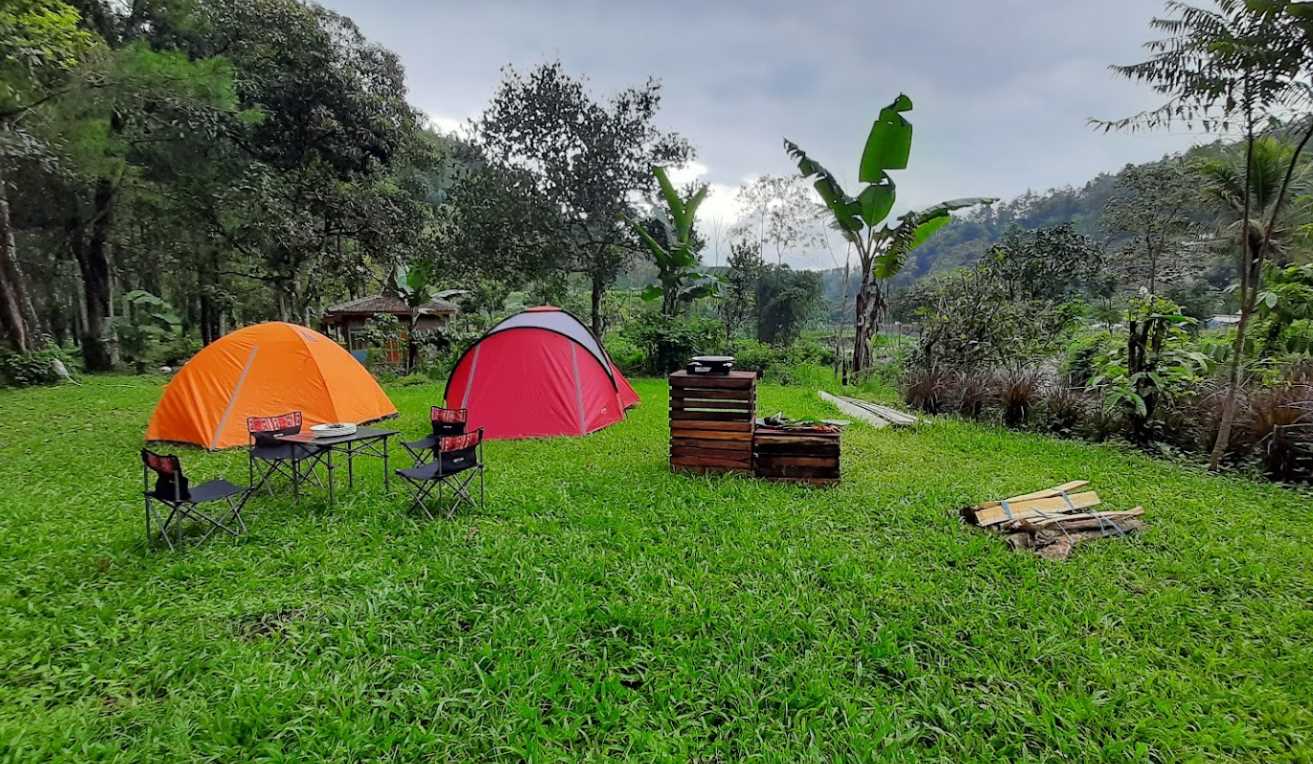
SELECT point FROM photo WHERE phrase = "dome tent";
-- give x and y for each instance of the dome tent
(261, 370)
(539, 373)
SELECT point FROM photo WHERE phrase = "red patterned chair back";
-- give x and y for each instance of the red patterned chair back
(263, 428)
(448, 421)
(458, 452)
(170, 483)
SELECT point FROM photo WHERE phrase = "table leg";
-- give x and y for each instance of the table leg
(330, 476)
(386, 471)
(350, 460)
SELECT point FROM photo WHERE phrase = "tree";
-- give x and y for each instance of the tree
(881, 251)
(785, 300)
(40, 44)
(779, 211)
(590, 161)
(1048, 264)
(739, 294)
(675, 257)
(1240, 62)
(416, 286)
(1153, 210)
(1223, 185)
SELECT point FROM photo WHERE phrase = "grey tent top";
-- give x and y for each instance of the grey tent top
(561, 322)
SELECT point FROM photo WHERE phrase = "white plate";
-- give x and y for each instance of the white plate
(335, 430)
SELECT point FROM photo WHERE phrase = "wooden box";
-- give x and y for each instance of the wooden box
(711, 421)
(798, 455)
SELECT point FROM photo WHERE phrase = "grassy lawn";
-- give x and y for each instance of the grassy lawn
(600, 607)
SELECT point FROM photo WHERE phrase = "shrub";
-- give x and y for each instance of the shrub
(1016, 391)
(628, 356)
(1080, 359)
(1273, 420)
(968, 393)
(37, 367)
(925, 389)
(668, 342)
(1064, 409)
(751, 355)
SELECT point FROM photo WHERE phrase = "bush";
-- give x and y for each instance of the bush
(30, 369)
(1016, 391)
(1269, 422)
(1064, 409)
(1080, 359)
(625, 354)
(668, 343)
(968, 393)
(751, 355)
(926, 389)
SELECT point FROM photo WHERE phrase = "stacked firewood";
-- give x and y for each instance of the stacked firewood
(1052, 521)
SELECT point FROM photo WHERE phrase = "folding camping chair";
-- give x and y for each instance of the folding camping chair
(445, 422)
(458, 459)
(282, 458)
(184, 501)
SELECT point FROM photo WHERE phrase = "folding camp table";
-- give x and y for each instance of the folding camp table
(365, 441)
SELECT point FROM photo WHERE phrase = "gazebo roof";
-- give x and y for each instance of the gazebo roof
(387, 304)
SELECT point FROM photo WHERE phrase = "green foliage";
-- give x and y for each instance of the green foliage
(625, 353)
(37, 367)
(668, 343)
(148, 330)
(40, 42)
(675, 257)
(786, 299)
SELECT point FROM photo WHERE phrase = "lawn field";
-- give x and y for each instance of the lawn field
(601, 608)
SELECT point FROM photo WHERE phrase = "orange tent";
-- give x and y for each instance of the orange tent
(263, 370)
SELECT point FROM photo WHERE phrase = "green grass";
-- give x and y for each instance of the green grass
(601, 608)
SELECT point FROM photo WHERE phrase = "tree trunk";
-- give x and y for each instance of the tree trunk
(599, 287)
(17, 315)
(864, 323)
(93, 262)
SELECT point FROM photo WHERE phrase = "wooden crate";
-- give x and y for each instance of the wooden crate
(711, 421)
(797, 455)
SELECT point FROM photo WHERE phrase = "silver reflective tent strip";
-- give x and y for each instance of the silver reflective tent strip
(578, 386)
(469, 382)
(232, 399)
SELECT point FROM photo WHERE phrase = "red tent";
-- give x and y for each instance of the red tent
(537, 374)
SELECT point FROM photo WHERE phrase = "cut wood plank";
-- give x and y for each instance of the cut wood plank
(677, 452)
(892, 415)
(736, 380)
(691, 432)
(1058, 546)
(692, 424)
(853, 410)
(1079, 521)
(1022, 510)
(707, 461)
(797, 461)
(712, 416)
(1056, 490)
(740, 450)
(746, 394)
(686, 404)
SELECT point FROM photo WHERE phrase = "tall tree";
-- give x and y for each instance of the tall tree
(881, 251)
(591, 160)
(1153, 210)
(40, 44)
(781, 212)
(1237, 63)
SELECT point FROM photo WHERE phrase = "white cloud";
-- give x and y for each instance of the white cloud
(457, 126)
(686, 173)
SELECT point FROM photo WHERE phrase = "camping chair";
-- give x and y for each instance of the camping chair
(184, 501)
(458, 460)
(445, 422)
(282, 458)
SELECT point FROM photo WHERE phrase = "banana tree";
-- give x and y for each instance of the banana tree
(882, 250)
(415, 286)
(675, 259)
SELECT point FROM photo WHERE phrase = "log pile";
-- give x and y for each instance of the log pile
(711, 421)
(1051, 522)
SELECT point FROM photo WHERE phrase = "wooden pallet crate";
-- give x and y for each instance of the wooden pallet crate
(711, 421)
(796, 455)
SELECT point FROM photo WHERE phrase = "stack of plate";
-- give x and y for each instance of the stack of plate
(333, 430)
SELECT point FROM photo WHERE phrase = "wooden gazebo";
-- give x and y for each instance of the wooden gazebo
(347, 320)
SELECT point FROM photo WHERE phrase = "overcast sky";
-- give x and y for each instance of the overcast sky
(1003, 89)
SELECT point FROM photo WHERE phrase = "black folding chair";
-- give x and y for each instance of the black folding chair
(184, 501)
(285, 459)
(445, 422)
(458, 461)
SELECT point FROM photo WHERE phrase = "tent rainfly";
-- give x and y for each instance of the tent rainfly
(539, 373)
(263, 370)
